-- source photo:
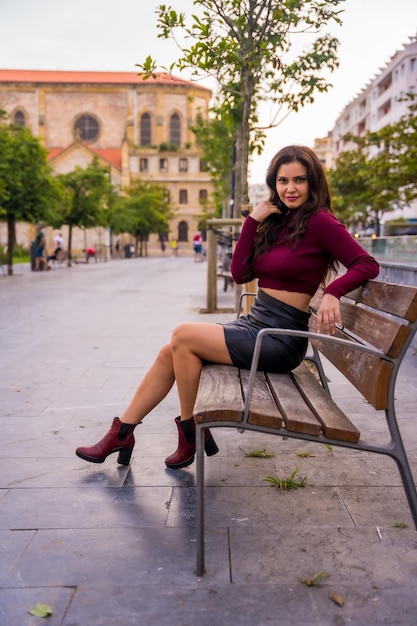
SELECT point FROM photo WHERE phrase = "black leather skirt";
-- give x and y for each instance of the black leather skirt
(278, 353)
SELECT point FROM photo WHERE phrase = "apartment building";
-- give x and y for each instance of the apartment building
(379, 103)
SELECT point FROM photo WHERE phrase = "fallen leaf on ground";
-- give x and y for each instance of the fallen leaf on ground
(41, 610)
(337, 598)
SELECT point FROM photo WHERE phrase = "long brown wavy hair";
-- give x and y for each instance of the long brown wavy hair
(319, 198)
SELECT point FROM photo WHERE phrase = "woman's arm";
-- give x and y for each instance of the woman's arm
(360, 267)
(239, 267)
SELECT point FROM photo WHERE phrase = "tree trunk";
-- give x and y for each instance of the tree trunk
(10, 242)
(245, 130)
(69, 245)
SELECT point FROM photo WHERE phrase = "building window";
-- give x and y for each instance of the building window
(183, 196)
(145, 130)
(163, 165)
(183, 166)
(175, 130)
(361, 127)
(143, 165)
(86, 128)
(384, 84)
(384, 109)
(413, 65)
(202, 195)
(19, 118)
(183, 231)
(203, 166)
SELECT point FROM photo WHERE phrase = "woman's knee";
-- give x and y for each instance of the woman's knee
(165, 355)
(183, 335)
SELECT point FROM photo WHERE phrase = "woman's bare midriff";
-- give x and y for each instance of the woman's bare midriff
(293, 298)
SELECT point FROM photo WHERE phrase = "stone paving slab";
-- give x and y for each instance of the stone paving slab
(105, 544)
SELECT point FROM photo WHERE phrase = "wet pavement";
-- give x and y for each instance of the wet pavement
(106, 544)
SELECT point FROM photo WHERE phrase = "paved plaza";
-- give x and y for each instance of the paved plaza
(108, 545)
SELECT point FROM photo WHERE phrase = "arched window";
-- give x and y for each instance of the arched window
(183, 231)
(145, 130)
(19, 118)
(175, 129)
(86, 128)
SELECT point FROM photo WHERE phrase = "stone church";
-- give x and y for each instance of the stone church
(137, 128)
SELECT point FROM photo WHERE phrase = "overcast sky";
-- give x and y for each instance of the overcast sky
(116, 34)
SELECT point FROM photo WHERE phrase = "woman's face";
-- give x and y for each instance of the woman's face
(292, 184)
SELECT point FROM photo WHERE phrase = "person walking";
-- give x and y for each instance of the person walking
(292, 243)
(40, 259)
(174, 247)
(198, 247)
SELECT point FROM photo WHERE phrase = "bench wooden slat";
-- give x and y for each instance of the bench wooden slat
(399, 300)
(383, 333)
(263, 409)
(298, 417)
(219, 394)
(335, 423)
(367, 372)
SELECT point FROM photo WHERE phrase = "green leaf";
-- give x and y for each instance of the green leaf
(41, 610)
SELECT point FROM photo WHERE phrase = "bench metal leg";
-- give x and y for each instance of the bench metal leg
(200, 499)
(408, 484)
(399, 454)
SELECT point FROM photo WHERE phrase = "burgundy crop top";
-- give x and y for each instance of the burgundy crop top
(303, 268)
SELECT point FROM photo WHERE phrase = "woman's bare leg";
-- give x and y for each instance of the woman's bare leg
(153, 388)
(180, 362)
(192, 343)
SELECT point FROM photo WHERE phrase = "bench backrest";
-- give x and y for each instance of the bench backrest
(381, 315)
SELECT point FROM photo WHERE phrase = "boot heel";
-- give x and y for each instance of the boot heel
(124, 456)
(210, 445)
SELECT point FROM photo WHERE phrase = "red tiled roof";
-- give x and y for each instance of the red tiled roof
(75, 77)
(113, 156)
(54, 152)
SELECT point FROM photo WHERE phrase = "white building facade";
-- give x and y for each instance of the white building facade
(380, 104)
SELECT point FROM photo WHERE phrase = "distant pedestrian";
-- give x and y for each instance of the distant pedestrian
(59, 243)
(59, 240)
(90, 253)
(198, 247)
(40, 259)
(174, 247)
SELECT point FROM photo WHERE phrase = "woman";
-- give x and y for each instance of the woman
(291, 243)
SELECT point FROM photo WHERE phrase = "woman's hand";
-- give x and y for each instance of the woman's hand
(263, 209)
(328, 314)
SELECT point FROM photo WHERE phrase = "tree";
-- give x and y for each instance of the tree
(144, 208)
(216, 137)
(380, 174)
(86, 198)
(245, 45)
(28, 191)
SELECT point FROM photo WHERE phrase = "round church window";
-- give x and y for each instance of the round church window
(86, 128)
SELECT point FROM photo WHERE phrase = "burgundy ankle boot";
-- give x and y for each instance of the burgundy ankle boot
(184, 454)
(119, 439)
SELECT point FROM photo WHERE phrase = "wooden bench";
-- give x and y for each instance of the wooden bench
(380, 320)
